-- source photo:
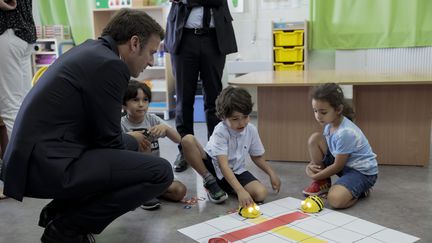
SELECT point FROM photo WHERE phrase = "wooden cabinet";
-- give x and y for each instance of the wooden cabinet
(160, 75)
(289, 45)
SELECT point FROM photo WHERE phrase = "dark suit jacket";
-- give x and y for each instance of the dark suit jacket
(75, 106)
(179, 13)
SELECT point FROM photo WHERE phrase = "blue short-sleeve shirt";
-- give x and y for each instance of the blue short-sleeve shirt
(349, 139)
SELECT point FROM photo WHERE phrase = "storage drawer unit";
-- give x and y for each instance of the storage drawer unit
(298, 66)
(289, 46)
(288, 38)
(283, 54)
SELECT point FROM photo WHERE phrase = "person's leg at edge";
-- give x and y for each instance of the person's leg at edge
(15, 82)
(15, 76)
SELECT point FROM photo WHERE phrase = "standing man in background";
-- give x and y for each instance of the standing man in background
(17, 34)
(199, 35)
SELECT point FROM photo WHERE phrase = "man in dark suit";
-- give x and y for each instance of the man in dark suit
(199, 35)
(67, 142)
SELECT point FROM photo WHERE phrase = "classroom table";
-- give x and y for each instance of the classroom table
(393, 110)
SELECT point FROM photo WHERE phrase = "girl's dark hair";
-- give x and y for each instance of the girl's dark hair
(132, 90)
(233, 99)
(333, 94)
(129, 22)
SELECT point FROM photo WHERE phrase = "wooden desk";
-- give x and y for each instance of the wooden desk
(393, 110)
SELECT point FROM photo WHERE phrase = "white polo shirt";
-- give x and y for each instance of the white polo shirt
(236, 145)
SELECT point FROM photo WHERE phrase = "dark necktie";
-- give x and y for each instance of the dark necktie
(206, 18)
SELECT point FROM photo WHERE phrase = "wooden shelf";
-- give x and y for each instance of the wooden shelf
(102, 16)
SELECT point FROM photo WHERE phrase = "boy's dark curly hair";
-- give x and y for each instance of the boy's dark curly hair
(233, 99)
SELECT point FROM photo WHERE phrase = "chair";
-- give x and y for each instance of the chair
(38, 74)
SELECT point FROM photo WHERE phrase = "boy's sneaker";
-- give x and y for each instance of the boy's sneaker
(214, 192)
(317, 188)
(151, 204)
(180, 163)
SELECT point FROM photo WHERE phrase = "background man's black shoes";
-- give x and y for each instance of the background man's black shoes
(53, 234)
(47, 215)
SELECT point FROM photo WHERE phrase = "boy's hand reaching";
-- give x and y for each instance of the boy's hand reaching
(244, 198)
(159, 131)
(275, 182)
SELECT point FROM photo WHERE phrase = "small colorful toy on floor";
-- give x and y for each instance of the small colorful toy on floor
(250, 212)
(312, 204)
(218, 240)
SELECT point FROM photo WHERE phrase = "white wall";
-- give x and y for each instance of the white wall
(254, 33)
(253, 26)
(253, 30)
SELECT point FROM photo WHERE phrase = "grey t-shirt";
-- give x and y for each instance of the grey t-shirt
(149, 121)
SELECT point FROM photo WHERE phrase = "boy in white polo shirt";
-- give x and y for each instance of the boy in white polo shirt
(222, 163)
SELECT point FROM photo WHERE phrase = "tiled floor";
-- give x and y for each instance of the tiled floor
(291, 225)
(401, 200)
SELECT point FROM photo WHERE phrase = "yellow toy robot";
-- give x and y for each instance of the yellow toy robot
(312, 204)
(250, 212)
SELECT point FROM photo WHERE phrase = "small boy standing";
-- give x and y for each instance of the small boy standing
(136, 102)
(222, 163)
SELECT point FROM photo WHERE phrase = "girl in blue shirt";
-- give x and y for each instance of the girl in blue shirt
(342, 149)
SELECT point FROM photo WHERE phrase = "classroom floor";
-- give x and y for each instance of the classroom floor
(401, 200)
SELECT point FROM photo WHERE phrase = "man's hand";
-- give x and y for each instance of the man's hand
(143, 143)
(8, 5)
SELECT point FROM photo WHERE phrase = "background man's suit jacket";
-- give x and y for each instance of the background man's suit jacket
(222, 19)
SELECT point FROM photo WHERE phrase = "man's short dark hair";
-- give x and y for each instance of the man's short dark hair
(129, 22)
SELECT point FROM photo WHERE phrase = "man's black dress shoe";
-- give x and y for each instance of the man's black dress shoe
(47, 215)
(53, 234)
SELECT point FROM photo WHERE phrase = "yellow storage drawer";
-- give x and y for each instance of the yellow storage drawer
(288, 67)
(294, 54)
(288, 38)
